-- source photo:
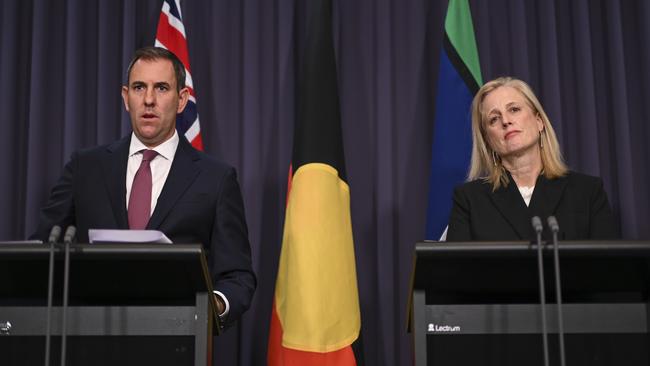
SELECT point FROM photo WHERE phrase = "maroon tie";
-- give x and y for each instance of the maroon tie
(140, 198)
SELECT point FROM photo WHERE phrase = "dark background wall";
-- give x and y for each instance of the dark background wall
(62, 64)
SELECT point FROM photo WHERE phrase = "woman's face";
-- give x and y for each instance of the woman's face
(511, 125)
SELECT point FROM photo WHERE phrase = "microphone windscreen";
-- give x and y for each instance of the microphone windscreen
(552, 223)
(55, 232)
(537, 224)
(70, 232)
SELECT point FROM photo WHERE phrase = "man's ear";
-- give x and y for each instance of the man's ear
(125, 97)
(183, 97)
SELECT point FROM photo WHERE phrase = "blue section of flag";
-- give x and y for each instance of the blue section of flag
(185, 119)
(452, 145)
(173, 10)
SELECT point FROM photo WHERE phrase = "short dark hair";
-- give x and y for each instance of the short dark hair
(151, 53)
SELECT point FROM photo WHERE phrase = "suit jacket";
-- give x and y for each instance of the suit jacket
(578, 201)
(200, 203)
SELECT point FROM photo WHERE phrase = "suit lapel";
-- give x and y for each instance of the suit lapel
(511, 205)
(182, 173)
(114, 166)
(546, 196)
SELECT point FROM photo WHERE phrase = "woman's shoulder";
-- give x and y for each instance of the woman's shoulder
(581, 179)
(476, 185)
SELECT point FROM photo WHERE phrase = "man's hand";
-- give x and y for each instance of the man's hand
(221, 306)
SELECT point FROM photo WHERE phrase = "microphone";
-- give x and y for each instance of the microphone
(537, 226)
(55, 232)
(555, 228)
(70, 233)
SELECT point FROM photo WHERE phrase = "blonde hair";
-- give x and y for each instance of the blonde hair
(484, 163)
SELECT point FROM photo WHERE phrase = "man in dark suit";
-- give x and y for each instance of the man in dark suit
(155, 179)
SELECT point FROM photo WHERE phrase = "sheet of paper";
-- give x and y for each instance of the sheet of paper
(15, 242)
(127, 236)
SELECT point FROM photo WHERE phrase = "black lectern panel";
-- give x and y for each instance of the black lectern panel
(129, 304)
(106, 273)
(476, 303)
(526, 349)
(100, 350)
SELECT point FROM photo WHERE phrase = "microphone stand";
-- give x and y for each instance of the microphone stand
(537, 226)
(55, 232)
(67, 239)
(553, 225)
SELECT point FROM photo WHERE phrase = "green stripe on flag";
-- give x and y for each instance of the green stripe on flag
(460, 30)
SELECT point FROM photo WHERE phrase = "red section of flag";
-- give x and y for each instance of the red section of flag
(198, 142)
(281, 356)
(289, 184)
(172, 39)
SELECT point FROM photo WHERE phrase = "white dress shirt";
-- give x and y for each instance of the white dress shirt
(526, 193)
(160, 166)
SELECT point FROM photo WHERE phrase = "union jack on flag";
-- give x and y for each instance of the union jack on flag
(171, 36)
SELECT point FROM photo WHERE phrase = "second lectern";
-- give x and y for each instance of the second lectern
(477, 303)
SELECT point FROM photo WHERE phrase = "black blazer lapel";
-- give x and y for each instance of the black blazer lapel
(181, 174)
(114, 165)
(511, 205)
(546, 196)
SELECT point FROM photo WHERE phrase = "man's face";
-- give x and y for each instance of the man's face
(152, 100)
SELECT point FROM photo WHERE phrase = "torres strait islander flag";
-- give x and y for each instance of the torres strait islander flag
(171, 35)
(315, 317)
(458, 81)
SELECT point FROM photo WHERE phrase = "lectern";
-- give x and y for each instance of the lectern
(129, 304)
(477, 303)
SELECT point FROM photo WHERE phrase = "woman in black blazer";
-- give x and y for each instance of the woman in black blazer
(517, 172)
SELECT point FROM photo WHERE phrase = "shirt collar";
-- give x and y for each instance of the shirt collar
(167, 149)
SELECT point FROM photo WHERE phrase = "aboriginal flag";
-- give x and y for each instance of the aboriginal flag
(315, 317)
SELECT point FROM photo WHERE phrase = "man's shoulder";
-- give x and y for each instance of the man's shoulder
(102, 150)
(204, 160)
(214, 164)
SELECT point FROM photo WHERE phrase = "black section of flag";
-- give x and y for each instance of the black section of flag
(317, 131)
(459, 65)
